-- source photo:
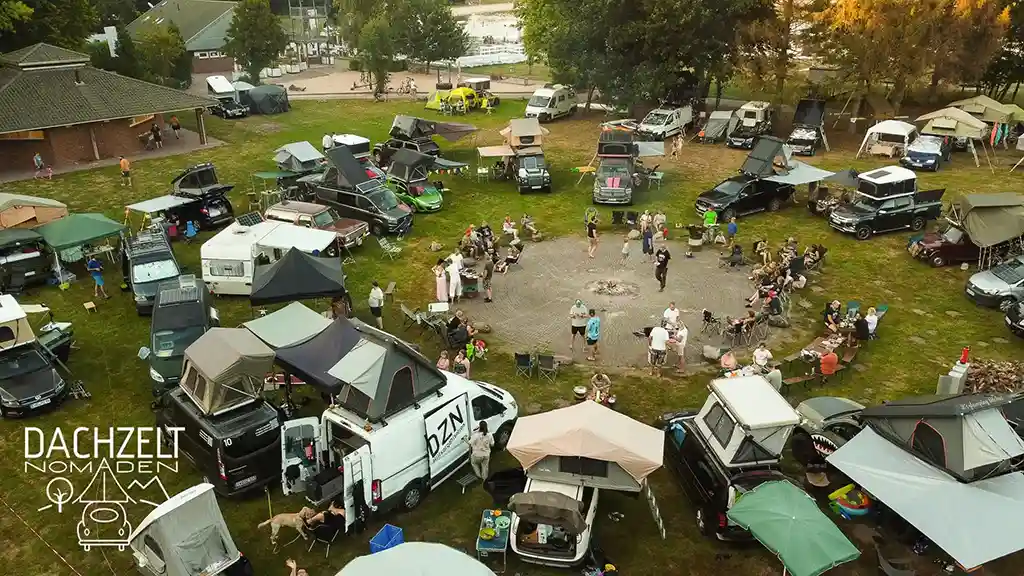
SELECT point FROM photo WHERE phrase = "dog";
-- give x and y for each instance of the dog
(296, 520)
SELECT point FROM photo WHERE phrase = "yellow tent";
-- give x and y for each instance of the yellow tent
(435, 98)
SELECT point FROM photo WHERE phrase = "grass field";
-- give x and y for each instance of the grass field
(925, 305)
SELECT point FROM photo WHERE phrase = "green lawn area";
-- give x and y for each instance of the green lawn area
(925, 303)
(538, 72)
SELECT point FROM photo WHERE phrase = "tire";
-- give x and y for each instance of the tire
(703, 518)
(728, 215)
(496, 101)
(572, 111)
(1006, 303)
(377, 229)
(332, 251)
(501, 437)
(918, 223)
(863, 233)
(412, 496)
(938, 261)
(774, 204)
(543, 118)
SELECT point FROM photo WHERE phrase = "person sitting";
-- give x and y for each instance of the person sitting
(509, 227)
(460, 364)
(762, 250)
(871, 320)
(601, 384)
(829, 364)
(735, 258)
(457, 320)
(499, 168)
(773, 304)
(833, 317)
(791, 248)
(444, 363)
(728, 361)
(514, 252)
(860, 327)
(527, 224)
(764, 287)
(485, 232)
(325, 517)
(467, 246)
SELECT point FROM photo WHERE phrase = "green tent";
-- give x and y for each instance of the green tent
(789, 523)
(78, 229)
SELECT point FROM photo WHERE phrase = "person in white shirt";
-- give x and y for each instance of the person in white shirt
(671, 315)
(872, 320)
(454, 280)
(456, 257)
(680, 337)
(327, 142)
(578, 317)
(480, 445)
(376, 302)
(658, 221)
(761, 357)
(658, 342)
(644, 221)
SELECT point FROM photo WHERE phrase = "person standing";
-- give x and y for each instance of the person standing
(648, 245)
(657, 344)
(440, 283)
(327, 142)
(625, 251)
(645, 220)
(681, 336)
(661, 258)
(454, 280)
(376, 303)
(593, 333)
(37, 161)
(480, 445)
(710, 218)
(95, 268)
(578, 322)
(730, 232)
(488, 276)
(126, 171)
(176, 127)
(671, 315)
(592, 237)
(158, 137)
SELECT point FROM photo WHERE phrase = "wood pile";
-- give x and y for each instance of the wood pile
(995, 377)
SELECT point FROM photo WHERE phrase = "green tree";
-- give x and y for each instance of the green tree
(116, 12)
(429, 32)
(65, 23)
(352, 16)
(377, 49)
(99, 56)
(159, 49)
(13, 12)
(1007, 68)
(181, 69)
(128, 61)
(255, 38)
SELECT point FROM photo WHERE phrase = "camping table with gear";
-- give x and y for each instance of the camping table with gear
(492, 540)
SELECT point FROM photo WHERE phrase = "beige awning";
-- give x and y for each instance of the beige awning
(495, 151)
(985, 108)
(955, 114)
(588, 430)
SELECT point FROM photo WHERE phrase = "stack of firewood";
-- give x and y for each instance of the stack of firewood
(995, 376)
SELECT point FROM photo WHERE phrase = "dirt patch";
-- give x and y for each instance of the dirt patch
(267, 128)
(614, 288)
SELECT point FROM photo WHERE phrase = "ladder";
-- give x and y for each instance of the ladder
(652, 503)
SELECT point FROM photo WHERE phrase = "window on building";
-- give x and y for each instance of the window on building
(24, 135)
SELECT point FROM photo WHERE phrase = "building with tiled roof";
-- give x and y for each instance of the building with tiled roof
(203, 24)
(52, 102)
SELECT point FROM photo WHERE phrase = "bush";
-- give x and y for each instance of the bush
(355, 65)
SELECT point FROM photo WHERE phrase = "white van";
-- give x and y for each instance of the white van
(229, 258)
(551, 102)
(544, 551)
(662, 123)
(380, 466)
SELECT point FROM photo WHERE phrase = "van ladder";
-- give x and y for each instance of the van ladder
(653, 504)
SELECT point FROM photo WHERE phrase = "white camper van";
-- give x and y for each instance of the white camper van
(220, 88)
(551, 102)
(396, 461)
(229, 258)
(662, 123)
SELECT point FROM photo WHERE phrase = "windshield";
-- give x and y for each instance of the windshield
(325, 218)
(171, 343)
(532, 162)
(22, 362)
(920, 155)
(1010, 273)
(730, 187)
(656, 118)
(154, 271)
(867, 204)
(539, 101)
(613, 168)
(384, 199)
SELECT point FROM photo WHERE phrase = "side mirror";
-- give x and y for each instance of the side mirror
(214, 316)
(144, 353)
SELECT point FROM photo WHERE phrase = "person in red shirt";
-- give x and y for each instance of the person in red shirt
(829, 364)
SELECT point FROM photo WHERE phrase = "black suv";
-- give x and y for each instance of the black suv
(147, 260)
(211, 207)
(711, 486)
(744, 194)
(181, 314)
(228, 108)
(382, 151)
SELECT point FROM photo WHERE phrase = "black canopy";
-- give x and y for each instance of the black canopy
(350, 172)
(404, 164)
(297, 276)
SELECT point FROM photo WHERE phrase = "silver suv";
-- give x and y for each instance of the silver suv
(999, 287)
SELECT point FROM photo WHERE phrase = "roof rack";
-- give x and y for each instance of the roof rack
(147, 242)
(184, 289)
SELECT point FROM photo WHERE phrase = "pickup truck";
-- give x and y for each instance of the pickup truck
(867, 216)
(744, 194)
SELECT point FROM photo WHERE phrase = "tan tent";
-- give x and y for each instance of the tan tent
(594, 445)
(17, 211)
(524, 132)
(984, 108)
(225, 367)
(1016, 112)
(954, 122)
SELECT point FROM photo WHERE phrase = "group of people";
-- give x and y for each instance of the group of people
(670, 332)
(585, 323)
(864, 326)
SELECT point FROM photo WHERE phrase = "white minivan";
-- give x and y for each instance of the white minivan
(551, 102)
(554, 546)
(392, 463)
(663, 123)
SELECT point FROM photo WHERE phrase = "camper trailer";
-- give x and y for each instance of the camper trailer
(755, 120)
(229, 259)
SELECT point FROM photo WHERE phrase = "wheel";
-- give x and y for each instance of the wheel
(938, 261)
(728, 215)
(572, 111)
(495, 101)
(412, 496)
(774, 204)
(917, 223)
(1006, 303)
(377, 229)
(332, 251)
(501, 437)
(703, 522)
(863, 233)
(544, 118)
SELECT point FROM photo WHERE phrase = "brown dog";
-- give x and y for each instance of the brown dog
(296, 520)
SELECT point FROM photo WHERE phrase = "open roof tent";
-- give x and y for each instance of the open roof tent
(893, 132)
(985, 109)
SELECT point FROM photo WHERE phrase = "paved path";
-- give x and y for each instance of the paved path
(531, 303)
(482, 9)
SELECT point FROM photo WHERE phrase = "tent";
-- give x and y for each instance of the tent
(225, 367)
(78, 229)
(991, 219)
(984, 108)
(416, 559)
(369, 372)
(810, 115)
(955, 123)
(551, 443)
(266, 99)
(788, 522)
(291, 325)
(720, 125)
(895, 133)
(184, 536)
(18, 211)
(551, 508)
(985, 522)
(771, 159)
(297, 276)
(410, 166)
(412, 127)
(350, 173)
(965, 435)
(501, 151)
(298, 157)
(524, 132)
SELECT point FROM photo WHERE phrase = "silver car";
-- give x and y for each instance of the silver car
(999, 287)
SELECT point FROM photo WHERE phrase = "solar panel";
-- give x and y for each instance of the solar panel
(179, 295)
(250, 219)
(877, 174)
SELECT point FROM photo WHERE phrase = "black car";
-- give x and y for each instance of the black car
(228, 108)
(1015, 319)
(712, 487)
(744, 194)
(29, 383)
(147, 260)
(347, 188)
(211, 207)
(382, 151)
(181, 314)
(927, 152)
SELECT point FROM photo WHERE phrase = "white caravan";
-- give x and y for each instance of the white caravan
(663, 123)
(229, 258)
(551, 102)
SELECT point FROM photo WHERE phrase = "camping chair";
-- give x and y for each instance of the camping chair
(631, 218)
(711, 323)
(892, 566)
(547, 367)
(190, 231)
(412, 317)
(524, 364)
(388, 249)
(483, 173)
(852, 308)
(618, 217)
(758, 331)
(328, 532)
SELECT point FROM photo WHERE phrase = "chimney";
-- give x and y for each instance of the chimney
(78, 78)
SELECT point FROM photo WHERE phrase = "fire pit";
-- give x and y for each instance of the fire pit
(613, 288)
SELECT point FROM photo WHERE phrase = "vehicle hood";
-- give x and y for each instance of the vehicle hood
(988, 282)
(850, 212)
(169, 367)
(716, 197)
(346, 226)
(148, 289)
(931, 240)
(25, 386)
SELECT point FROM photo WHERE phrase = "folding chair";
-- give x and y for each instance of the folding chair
(524, 364)
(547, 367)
(388, 249)
(631, 218)
(880, 310)
(852, 308)
(618, 217)
(412, 317)
(711, 323)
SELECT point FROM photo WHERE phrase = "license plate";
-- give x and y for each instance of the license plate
(245, 482)
(536, 187)
(40, 403)
(30, 273)
(214, 212)
(970, 292)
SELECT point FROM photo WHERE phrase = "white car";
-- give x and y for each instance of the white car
(551, 102)
(549, 544)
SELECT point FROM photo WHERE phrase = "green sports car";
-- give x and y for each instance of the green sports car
(408, 177)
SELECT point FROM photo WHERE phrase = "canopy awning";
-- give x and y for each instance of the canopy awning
(159, 204)
(845, 178)
(502, 151)
(416, 558)
(288, 326)
(986, 522)
(78, 229)
(446, 164)
(800, 173)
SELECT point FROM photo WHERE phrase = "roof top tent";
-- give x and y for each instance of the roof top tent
(965, 435)
(746, 420)
(477, 84)
(15, 329)
(955, 123)
(288, 326)
(421, 558)
(556, 446)
(220, 88)
(19, 211)
(522, 132)
(615, 142)
(411, 127)
(810, 114)
(350, 173)
(300, 157)
(368, 372)
(266, 99)
(992, 222)
(224, 369)
(241, 89)
(753, 113)
(985, 109)
(410, 166)
(184, 536)
(889, 137)
(357, 145)
(887, 182)
(199, 180)
(720, 124)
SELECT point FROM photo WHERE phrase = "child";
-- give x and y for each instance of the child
(95, 269)
(625, 251)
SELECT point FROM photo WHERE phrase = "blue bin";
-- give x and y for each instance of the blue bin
(388, 537)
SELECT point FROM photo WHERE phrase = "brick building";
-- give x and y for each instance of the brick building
(203, 25)
(52, 102)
